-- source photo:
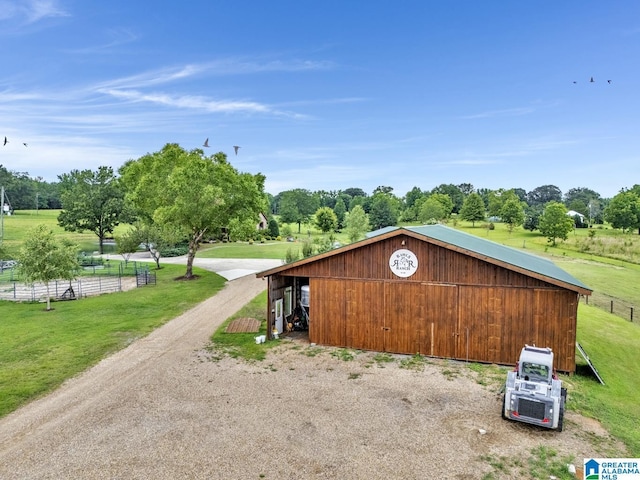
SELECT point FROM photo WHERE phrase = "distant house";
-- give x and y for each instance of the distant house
(263, 223)
(431, 290)
(578, 218)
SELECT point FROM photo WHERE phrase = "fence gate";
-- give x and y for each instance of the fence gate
(144, 276)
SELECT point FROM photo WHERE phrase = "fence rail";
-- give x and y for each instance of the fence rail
(611, 304)
(60, 289)
(97, 280)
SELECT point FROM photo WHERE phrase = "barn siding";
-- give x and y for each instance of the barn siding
(436, 264)
(453, 306)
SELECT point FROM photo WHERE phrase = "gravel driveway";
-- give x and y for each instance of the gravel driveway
(166, 408)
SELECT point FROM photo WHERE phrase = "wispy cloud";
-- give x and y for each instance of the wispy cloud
(196, 102)
(508, 112)
(30, 11)
(117, 37)
(229, 66)
(38, 9)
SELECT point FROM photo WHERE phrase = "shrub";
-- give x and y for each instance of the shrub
(291, 256)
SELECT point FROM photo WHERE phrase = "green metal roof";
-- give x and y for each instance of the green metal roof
(490, 249)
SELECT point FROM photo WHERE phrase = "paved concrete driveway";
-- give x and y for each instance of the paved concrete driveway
(229, 268)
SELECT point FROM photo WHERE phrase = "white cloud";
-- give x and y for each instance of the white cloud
(507, 112)
(36, 10)
(30, 11)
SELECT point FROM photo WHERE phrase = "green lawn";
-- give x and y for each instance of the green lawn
(39, 349)
(612, 345)
(269, 249)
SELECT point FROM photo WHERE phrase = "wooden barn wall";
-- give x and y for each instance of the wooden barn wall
(486, 324)
(454, 306)
(435, 264)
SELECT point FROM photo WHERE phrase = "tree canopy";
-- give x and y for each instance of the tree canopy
(555, 223)
(623, 211)
(92, 201)
(192, 193)
(473, 209)
(357, 223)
(44, 258)
(297, 206)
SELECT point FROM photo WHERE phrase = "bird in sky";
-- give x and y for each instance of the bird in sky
(608, 81)
(236, 147)
(25, 144)
(592, 80)
(5, 141)
(206, 143)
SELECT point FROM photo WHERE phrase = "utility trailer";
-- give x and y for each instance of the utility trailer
(533, 393)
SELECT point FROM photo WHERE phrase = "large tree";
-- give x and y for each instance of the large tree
(384, 210)
(473, 209)
(340, 210)
(454, 193)
(326, 219)
(357, 223)
(512, 213)
(623, 211)
(92, 201)
(191, 192)
(431, 210)
(540, 196)
(44, 258)
(555, 223)
(297, 206)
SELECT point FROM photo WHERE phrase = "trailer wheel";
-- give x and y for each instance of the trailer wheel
(504, 406)
(561, 415)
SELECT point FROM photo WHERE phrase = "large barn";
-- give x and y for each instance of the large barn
(431, 290)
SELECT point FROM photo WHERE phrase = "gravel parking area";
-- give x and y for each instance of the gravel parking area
(167, 408)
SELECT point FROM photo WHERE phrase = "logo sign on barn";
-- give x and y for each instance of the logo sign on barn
(403, 263)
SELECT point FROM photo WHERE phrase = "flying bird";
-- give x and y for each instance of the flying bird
(25, 144)
(5, 141)
(236, 147)
(608, 81)
(206, 143)
(592, 80)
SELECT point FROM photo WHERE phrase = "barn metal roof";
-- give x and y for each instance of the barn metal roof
(466, 243)
(489, 249)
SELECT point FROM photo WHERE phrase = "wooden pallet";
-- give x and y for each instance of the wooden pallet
(243, 325)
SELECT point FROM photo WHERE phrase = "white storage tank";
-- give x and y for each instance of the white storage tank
(304, 295)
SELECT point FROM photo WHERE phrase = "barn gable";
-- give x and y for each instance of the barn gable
(436, 291)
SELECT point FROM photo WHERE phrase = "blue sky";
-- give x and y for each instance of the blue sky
(330, 94)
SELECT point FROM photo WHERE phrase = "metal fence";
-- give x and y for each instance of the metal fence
(60, 289)
(96, 280)
(612, 305)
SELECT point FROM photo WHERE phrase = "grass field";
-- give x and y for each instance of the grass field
(39, 350)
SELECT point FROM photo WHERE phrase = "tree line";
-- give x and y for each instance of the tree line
(175, 196)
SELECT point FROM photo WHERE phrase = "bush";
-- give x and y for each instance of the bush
(307, 248)
(89, 261)
(291, 255)
(174, 251)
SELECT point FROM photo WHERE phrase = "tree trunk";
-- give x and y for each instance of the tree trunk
(48, 298)
(101, 240)
(194, 243)
(155, 254)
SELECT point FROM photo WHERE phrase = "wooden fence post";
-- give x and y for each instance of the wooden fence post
(611, 306)
(631, 314)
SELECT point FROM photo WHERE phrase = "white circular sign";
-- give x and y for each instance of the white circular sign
(403, 263)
